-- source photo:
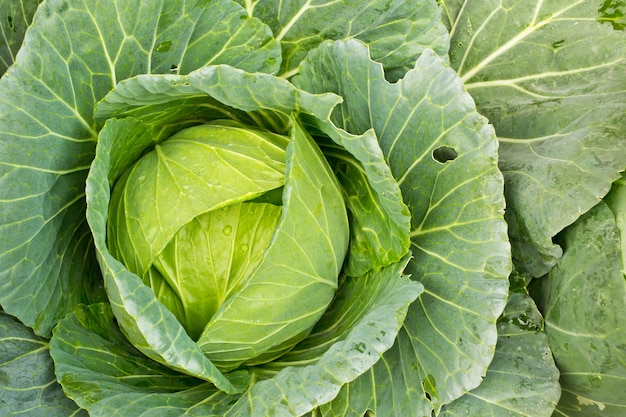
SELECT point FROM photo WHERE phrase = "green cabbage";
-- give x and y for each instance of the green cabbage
(312, 208)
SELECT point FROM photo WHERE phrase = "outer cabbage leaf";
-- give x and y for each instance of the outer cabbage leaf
(348, 340)
(28, 385)
(73, 54)
(450, 10)
(443, 155)
(522, 379)
(170, 102)
(105, 374)
(551, 76)
(108, 376)
(583, 299)
(396, 31)
(616, 200)
(15, 17)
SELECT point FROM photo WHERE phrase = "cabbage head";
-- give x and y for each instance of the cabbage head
(241, 245)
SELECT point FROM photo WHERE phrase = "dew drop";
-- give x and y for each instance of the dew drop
(228, 230)
(244, 247)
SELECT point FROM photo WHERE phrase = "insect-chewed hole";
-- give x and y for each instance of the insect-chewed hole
(444, 154)
(11, 23)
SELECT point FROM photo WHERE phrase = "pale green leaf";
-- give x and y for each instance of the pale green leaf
(443, 155)
(176, 182)
(551, 76)
(151, 327)
(582, 300)
(297, 279)
(208, 260)
(351, 336)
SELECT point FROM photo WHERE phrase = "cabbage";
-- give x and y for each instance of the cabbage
(312, 208)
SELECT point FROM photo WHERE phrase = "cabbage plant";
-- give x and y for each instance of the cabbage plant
(311, 208)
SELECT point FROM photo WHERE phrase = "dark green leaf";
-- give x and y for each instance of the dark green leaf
(583, 299)
(296, 281)
(15, 17)
(28, 386)
(109, 377)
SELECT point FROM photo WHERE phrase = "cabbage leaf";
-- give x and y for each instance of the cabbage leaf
(46, 103)
(27, 378)
(15, 17)
(549, 76)
(579, 298)
(414, 119)
(424, 321)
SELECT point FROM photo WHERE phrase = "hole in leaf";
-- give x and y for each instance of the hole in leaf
(444, 154)
(11, 23)
(611, 13)
(174, 68)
